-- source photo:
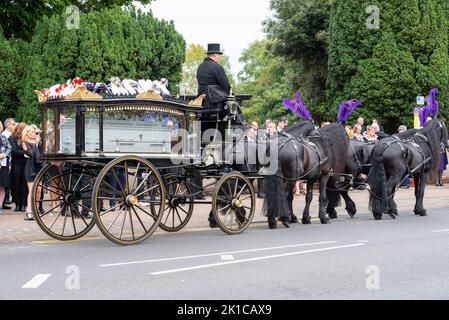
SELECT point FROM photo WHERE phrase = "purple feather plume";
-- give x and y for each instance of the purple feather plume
(346, 108)
(297, 107)
(432, 102)
(423, 113)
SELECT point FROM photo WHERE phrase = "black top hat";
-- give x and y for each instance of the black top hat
(213, 48)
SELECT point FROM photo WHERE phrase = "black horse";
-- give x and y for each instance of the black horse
(396, 158)
(290, 167)
(358, 164)
(305, 154)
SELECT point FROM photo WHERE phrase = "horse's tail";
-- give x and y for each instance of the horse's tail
(332, 193)
(377, 181)
(275, 203)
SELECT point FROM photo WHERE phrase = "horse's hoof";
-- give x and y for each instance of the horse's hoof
(285, 222)
(307, 220)
(294, 219)
(392, 215)
(378, 217)
(333, 215)
(352, 212)
(272, 226)
(325, 221)
(421, 213)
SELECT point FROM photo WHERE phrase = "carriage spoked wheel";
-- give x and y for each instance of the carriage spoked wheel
(234, 203)
(128, 200)
(179, 204)
(61, 198)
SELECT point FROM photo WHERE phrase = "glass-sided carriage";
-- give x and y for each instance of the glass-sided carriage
(117, 163)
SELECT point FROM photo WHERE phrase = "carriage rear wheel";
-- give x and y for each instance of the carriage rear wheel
(179, 204)
(128, 200)
(61, 197)
(233, 203)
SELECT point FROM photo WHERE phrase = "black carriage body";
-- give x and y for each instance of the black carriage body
(128, 160)
(101, 130)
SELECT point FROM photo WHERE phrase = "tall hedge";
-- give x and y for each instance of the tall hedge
(110, 42)
(389, 66)
(8, 78)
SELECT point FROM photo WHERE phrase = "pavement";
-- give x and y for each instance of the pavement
(356, 258)
(13, 228)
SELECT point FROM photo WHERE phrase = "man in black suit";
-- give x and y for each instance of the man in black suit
(211, 73)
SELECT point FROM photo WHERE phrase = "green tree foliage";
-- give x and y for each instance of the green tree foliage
(265, 77)
(299, 30)
(389, 66)
(18, 18)
(8, 76)
(110, 42)
(195, 55)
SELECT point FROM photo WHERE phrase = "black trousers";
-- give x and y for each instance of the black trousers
(19, 186)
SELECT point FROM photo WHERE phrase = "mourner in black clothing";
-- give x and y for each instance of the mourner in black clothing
(212, 81)
(19, 188)
(211, 73)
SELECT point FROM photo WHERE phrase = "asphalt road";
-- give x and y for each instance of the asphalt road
(359, 258)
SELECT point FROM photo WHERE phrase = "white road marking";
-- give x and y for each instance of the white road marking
(363, 241)
(36, 282)
(227, 257)
(28, 247)
(217, 254)
(255, 259)
(439, 231)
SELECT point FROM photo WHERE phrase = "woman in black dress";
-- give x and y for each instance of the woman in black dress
(30, 141)
(19, 188)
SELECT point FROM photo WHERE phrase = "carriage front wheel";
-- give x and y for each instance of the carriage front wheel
(128, 200)
(61, 200)
(234, 203)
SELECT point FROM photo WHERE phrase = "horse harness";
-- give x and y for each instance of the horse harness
(411, 143)
(306, 143)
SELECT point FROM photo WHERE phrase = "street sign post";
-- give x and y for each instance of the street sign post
(420, 100)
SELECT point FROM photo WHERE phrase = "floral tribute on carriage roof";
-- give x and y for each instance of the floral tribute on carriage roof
(113, 89)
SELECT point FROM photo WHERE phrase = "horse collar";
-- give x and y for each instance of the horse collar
(419, 134)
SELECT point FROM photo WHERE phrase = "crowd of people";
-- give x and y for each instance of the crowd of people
(19, 159)
(359, 131)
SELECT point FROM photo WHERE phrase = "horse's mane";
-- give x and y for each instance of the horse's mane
(303, 128)
(334, 141)
(433, 133)
(407, 134)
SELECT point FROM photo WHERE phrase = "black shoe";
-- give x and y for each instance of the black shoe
(272, 225)
(28, 217)
(17, 209)
(23, 209)
(5, 207)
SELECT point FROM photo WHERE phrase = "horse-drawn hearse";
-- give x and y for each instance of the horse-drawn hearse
(128, 164)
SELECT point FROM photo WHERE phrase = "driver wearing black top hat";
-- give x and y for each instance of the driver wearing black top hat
(211, 73)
